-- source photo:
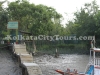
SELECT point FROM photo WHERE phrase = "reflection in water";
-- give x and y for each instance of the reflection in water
(48, 63)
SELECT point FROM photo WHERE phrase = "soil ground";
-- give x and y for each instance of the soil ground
(8, 66)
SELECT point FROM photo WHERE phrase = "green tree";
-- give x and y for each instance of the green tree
(85, 21)
(37, 19)
(3, 19)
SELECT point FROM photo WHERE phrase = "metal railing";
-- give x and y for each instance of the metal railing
(88, 65)
(97, 61)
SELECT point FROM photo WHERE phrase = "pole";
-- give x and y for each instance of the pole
(90, 56)
(94, 57)
(8, 34)
(94, 41)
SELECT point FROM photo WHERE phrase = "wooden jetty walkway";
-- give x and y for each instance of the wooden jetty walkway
(25, 60)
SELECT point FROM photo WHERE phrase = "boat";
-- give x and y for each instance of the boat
(92, 68)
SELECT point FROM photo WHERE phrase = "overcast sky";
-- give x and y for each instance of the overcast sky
(63, 6)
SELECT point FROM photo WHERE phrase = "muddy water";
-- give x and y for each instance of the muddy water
(48, 63)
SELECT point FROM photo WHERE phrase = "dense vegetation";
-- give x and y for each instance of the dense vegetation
(86, 21)
(41, 19)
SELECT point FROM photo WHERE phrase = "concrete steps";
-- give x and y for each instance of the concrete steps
(25, 60)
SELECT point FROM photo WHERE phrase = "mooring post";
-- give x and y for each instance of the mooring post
(56, 53)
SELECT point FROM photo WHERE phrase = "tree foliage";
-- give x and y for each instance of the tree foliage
(37, 19)
(86, 21)
(3, 19)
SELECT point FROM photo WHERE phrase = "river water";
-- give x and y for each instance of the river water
(49, 64)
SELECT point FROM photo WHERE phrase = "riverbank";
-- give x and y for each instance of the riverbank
(8, 66)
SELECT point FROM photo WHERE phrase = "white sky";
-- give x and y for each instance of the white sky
(63, 6)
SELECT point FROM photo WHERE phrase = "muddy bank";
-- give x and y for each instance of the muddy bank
(8, 66)
(48, 63)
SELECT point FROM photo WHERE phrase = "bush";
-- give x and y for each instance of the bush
(63, 48)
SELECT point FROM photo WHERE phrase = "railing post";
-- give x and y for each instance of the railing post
(98, 61)
(94, 57)
(90, 56)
